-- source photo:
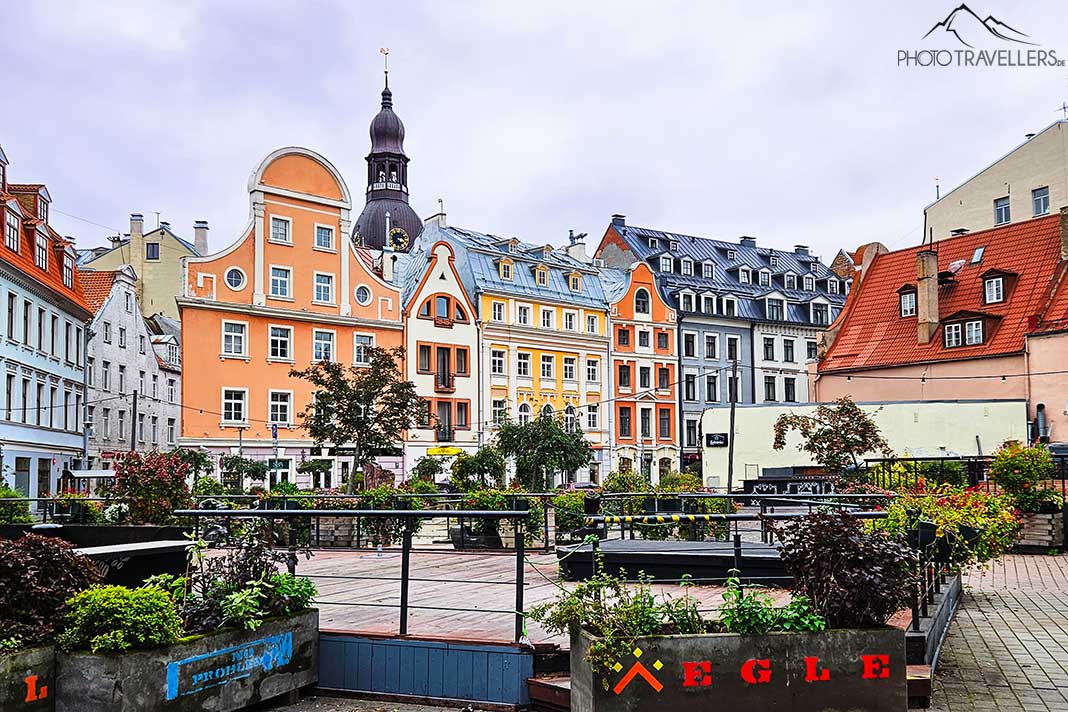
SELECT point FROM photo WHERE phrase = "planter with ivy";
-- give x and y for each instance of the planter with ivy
(1025, 474)
(829, 648)
(497, 533)
(231, 632)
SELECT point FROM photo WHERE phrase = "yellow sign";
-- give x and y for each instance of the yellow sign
(444, 451)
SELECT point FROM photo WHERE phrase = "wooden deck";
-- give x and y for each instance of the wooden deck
(452, 595)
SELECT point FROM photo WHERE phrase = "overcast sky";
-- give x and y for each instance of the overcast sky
(790, 122)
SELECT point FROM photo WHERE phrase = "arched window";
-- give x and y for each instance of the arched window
(461, 315)
(441, 307)
(547, 411)
(641, 301)
(524, 413)
(570, 418)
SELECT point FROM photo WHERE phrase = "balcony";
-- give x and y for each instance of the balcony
(444, 383)
(444, 434)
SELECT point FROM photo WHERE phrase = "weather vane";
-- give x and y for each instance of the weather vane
(385, 57)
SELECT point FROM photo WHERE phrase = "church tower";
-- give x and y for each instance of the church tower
(387, 217)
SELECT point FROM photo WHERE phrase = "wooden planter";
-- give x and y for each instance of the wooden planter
(27, 680)
(1040, 532)
(225, 670)
(785, 672)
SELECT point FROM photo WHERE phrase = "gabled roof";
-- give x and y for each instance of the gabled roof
(873, 334)
(97, 286)
(85, 256)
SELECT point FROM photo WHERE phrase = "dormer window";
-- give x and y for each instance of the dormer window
(730, 306)
(708, 305)
(821, 314)
(774, 309)
(666, 263)
(813, 267)
(674, 246)
(505, 268)
(810, 284)
(512, 244)
(574, 282)
(790, 280)
(773, 261)
(994, 290)
(732, 254)
(973, 332)
(68, 272)
(708, 270)
(832, 286)
(40, 253)
(765, 278)
(42, 210)
(687, 267)
(687, 302)
(952, 335)
(908, 303)
(654, 244)
(541, 276)
(743, 276)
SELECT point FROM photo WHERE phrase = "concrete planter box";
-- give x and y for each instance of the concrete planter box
(1040, 532)
(839, 670)
(226, 670)
(27, 680)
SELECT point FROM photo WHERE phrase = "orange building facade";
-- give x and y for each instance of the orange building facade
(644, 373)
(291, 290)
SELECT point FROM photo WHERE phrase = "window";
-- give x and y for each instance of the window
(122, 378)
(570, 419)
(548, 365)
(141, 427)
(711, 346)
(994, 290)
(666, 264)
(663, 378)
(570, 321)
(790, 281)
(141, 382)
(280, 230)
(569, 368)
(27, 319)
(233, 338)
(524, 413)
(279, 409)
(523, 315)
(279, 343)
(977, 255)
(324, 237)
(820, 314)
(170, 390)
(40, 255)
(687, 302)
(661, 340)
(646, 415)
(105, 421)
(691, 433)
(643, 339)
(593, 420)
(122, 425)
(522, 364)
(769, 388)
(141, 343)
(12, 231)
(689, 389)
(810, 284)
(547, 318)
(233, 405)
(729, 306)
(654, 243)
(711, 388)
(497, 362)
(172, 354)
(973, 332)
(105, 375)
(90, 376)
(952, 336)
(591, 324)
(593, 370)
(280, 282)
(499, 408)
(498, 311)
(744, 276)
(908, 304)
(832, 286)
(170, 431)
(708, 270)
(765, 279)
(1040, 200)
(361, 344)
(624, 375)
(775, 309)
(689, 345)
(788, 350)
(155, 385)
(9, 395)
(152, 251)
(323, 346)
(624, 421)
(645, 379)
(623, 337)
(42, 319)
(687, 268)
(674, 245)
(122, 337)
(732, 348)
(542, 277)
(574, 282)
(461, 361)
(461, 415)
(813, 267)
(641, 302)
(424, 358)
(363, 295)
(1001, 211)
(811, 349)
(68, 271)
(506, 270)
(769, 348)
(789, 390)
(155, 430)
(324, 288)
(665, 423)
(732, 254)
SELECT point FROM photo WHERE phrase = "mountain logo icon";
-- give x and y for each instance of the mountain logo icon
(969, 29)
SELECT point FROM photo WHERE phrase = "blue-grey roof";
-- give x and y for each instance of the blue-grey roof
(727, 259)
(615, 283)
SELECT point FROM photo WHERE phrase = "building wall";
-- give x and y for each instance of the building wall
(159, 396)
(780, 368)
(1042, 161)
(929, 428)
(1048, 359)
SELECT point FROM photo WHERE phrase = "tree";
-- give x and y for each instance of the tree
(485, 468)
(238, 469)
(365, 408)
(427, 469)
(541, 447)
(152, 486)
(836, 436)
(199, 462)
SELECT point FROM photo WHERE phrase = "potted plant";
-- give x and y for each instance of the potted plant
(829, 648)
(231, 632)
(1023, 473)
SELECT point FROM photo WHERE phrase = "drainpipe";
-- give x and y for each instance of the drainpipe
(752, 365)
(87, 335)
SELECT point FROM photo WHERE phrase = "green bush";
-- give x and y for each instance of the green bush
(1021, 471)
(208, 486)
(570, 510)
(114, 619)
(747, 610)
(13, 512)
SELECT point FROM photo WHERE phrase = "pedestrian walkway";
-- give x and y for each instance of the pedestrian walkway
(1008, 646)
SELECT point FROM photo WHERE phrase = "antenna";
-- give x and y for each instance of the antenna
(1064, 109)
(938, 190)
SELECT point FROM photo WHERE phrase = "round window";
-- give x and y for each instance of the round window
(363, 295)
(235, 278)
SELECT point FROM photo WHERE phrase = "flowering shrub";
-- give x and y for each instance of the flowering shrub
(77, 504)
(153, 485)
(1021, 472)
(496, 499)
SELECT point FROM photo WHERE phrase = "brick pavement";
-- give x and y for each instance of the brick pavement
(1007, 649)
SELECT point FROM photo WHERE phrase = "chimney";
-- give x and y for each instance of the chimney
(1064, 233)
(389, 263)
(801, 250)
(926, 295)
(137, 226)
(165, 225)
(576, 248)
(619, 220)
(747, 241)
(436, 219)
(200, 236)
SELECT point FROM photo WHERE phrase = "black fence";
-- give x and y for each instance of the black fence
(966, 471)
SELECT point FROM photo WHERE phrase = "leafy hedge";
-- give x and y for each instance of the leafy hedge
(114, 619)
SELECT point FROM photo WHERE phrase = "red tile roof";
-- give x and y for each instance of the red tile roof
(1055, 316)
(97, 287)
(872, 333)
